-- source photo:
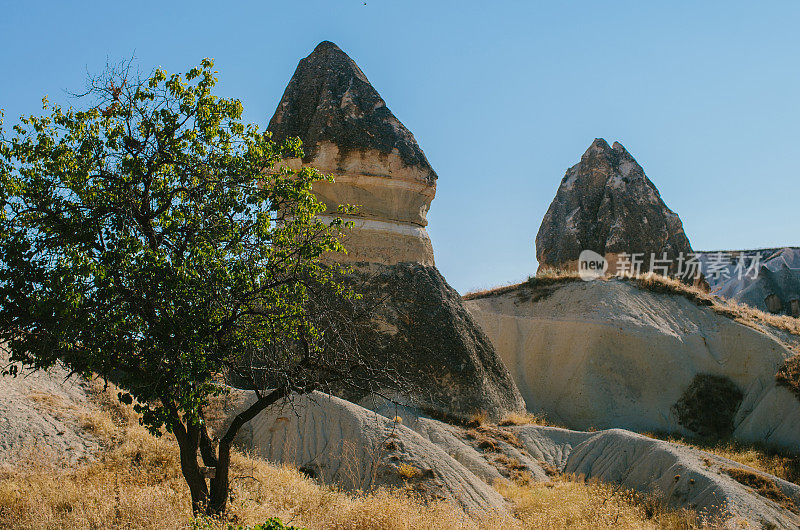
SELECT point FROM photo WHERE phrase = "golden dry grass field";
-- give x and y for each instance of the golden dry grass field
(136, 483)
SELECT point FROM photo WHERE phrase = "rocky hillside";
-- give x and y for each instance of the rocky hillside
(342, 443)
(773, 285)
(605, 203)
(41, 414)
(611, 354)
(403, 470)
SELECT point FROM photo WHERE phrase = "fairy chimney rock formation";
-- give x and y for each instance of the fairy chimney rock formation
(408, 318)
(348, 131)
(606, 204)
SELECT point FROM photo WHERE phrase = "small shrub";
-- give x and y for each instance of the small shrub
(789, 375)
(708, 405)
(488, 436)
(549, 469)
(527, 418)
(764, 486)
(272, 523)
(488, 445)
(407, 471)
(516, 418)
(478, 418)
(500, 434)
(513, 469)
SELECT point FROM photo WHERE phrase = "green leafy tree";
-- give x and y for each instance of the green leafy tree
(157, 241)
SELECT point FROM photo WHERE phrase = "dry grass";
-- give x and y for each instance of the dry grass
(49, 401)
(136, 483)
(764, 486)
(789, 375)
(542, 279)
(526, 418)
(742, 313)
(478, 418)
(781, 464)
(567, 503)
(551, 276)
(518, 418)
(407, 471)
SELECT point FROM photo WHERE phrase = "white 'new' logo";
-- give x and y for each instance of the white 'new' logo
(591, 265)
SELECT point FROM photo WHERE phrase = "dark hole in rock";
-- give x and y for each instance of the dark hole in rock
(708, 405)
(773, 303)
(309, 471)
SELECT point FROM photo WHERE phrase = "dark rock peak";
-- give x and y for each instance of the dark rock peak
(606, 203)
(330, 99)
(613, 154)
(325, 45)
(599, 145)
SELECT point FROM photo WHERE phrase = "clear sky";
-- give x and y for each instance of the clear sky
(502, 96)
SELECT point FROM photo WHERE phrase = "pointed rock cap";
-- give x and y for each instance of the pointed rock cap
(606, 204)
(329, 99)
(598, 146)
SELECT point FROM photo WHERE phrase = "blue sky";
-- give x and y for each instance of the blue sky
(503, 97)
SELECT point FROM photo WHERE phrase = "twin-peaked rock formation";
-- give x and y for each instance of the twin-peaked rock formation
(606, 204)
(348, 131)
(417, 322)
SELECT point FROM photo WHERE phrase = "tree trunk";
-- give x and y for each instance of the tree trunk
(188, 442)
(220, 483)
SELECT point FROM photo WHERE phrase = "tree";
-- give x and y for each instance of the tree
(157, 241)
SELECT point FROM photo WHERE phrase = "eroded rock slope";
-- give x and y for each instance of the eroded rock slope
(772, 286)
(341, 443)
(608, 354)
(41, 417)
